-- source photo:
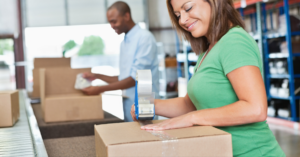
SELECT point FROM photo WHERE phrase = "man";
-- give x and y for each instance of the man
(138, 52)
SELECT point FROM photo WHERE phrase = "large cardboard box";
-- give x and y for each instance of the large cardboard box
(9, 108)
(46, 63)
(62, 102)
(128, 140)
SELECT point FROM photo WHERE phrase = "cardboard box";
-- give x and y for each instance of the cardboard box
(9, 108)
(46, 63)
(171, 62)
(128, 140)
(62, 102)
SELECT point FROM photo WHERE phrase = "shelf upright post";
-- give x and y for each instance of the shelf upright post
(251, 19)
(290, 60)
(179, 72)
(241, 10)
(271, 19)
(186, 62)
(264, 12)
(259, 29)
(266, 58)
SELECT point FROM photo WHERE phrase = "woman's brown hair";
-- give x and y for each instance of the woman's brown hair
(223, 17)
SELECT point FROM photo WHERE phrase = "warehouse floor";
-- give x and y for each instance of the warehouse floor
(83, 146)
(288, 139)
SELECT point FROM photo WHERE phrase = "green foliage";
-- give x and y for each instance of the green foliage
(69, 45)
(92, 45)
(3, 65)
(6, 45)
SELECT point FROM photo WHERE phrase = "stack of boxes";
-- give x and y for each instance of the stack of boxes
(55, 80)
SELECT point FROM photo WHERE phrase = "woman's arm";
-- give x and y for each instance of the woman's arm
(251, 107)
(248, 85)
(174, 107)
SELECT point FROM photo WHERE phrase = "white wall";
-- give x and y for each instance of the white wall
(158, 14)
(8, 17)
(160, 24)
(74, 12)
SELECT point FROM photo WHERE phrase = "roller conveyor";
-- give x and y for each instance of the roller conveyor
(24, 138)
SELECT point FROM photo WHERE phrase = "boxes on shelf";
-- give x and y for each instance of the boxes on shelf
(280, 88)
(62, 102)
(294, 23)
(295, 47)
(46, 63)
(10, 109)
(171, 62)
(278, 67)
(169, 77)
(192, 141)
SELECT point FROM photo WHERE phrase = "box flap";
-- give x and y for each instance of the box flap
(67, 96)
(121, 133)
(61, 80)
(51, 62)
(8, 92)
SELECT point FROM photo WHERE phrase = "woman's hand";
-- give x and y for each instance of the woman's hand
(174, 123)
(132, 112)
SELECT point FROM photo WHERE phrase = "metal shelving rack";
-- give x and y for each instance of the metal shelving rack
(163, 74)
(186, 48)
(284, 9)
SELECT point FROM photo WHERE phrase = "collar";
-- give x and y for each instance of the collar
(131, 32)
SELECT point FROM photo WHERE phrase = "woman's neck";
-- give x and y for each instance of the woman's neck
(211, 46)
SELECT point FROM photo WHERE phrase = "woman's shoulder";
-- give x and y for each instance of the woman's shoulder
(236, 39)
(237, 42)
(237, 33)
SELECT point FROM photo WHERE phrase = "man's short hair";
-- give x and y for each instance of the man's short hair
(121, 6)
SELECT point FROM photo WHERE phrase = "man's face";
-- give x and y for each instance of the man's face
(116, 20)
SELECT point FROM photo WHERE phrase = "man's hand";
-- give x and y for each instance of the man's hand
(93, 90)
(89, 76)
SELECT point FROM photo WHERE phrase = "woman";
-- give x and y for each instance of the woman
(227, 89)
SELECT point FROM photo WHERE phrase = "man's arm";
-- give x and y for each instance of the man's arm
(108, 79)
(123, 84)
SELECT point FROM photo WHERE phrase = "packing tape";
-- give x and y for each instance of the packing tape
(144, 78)
(169, 143)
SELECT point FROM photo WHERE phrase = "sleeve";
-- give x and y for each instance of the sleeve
(145, 55)
(238, 52)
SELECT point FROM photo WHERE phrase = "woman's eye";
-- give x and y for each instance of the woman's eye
(188, 9)
(178, 16)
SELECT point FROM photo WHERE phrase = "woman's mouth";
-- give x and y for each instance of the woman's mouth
(192, 26)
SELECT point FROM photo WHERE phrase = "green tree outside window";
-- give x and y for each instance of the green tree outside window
(92, 45)
(6, 45)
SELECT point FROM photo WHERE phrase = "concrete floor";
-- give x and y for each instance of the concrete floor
(288, 139)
